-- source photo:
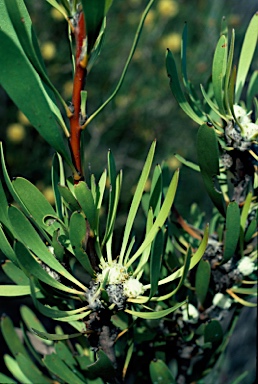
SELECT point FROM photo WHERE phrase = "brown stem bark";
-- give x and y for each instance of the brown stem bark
(78, 86)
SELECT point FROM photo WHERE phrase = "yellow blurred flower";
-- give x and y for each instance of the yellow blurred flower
(22, 118)
(173, 163)
(171, 41)
(167, 8)
(56, 15)
(15, 133)
(49, 195)
(67, 89)
(150, 18)
(48, 50)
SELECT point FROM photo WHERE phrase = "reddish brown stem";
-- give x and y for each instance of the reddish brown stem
(78, 85)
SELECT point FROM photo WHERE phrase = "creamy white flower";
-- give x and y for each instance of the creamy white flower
(241, 114)
(246, 266)
(117, 273)
(190, 313)
(222, 301)
(133, 287)
(250, 130)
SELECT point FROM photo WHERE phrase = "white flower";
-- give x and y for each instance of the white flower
(190, 314)
(241, 114)
(246, 266)
(222, 301)
(117, 273)
(133, 287)
(250, 130)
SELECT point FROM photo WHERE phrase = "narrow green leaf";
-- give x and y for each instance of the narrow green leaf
(69, 198)
(232, 231)
(30, 96)
(155, 315)
(228, 72)
(208, 158)
(15, 274)
(65, 354)
(85, 199)
(6, 248)
(31, 267)
(136, 200)
(6, 380)
(202, 280)
(160, 373)
(160, 220)
(60, 369)
(183, 55)
(3, 208)
(187, 163)
(78, 238)
(252, 90)
(194, 260)
(54, 336)
(14, 290)
(11, 338)
(29, 237)
(212, 105)
(94, 13)
(36, 205)
(176, 88)
(213, 332)
(101, 368)
(246, 55)
(23, 27)
(57, 173)
(219, 66)
(30, 370)
(31, 320)
(252, 228)
(156, 191)
(15, 370)
(156, 261)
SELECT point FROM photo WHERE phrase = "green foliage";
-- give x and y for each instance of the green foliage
(157, 297)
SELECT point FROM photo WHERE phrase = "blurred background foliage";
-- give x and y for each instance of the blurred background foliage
(144, 108)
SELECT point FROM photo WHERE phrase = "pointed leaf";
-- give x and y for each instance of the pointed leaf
(208, 158)
(11, 338)
(101, 368)
(31, 267)
(246, 55)
(15, 274)
(136, 200)
(160, 373)
(6, 380)
(94, 13)
(156, 261)
(85, 199)
(213, 332)
(15, 370)
(160, 220)
(219, 66)
(232, 230)
(78, 238)
(176, 88)
(202, 280)
(14, 290)
(28, 236)
(155, 315)
(60, 369)
(30, 96)
(30, 370)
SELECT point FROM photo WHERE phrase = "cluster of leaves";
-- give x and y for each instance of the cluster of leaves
(137, 301)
